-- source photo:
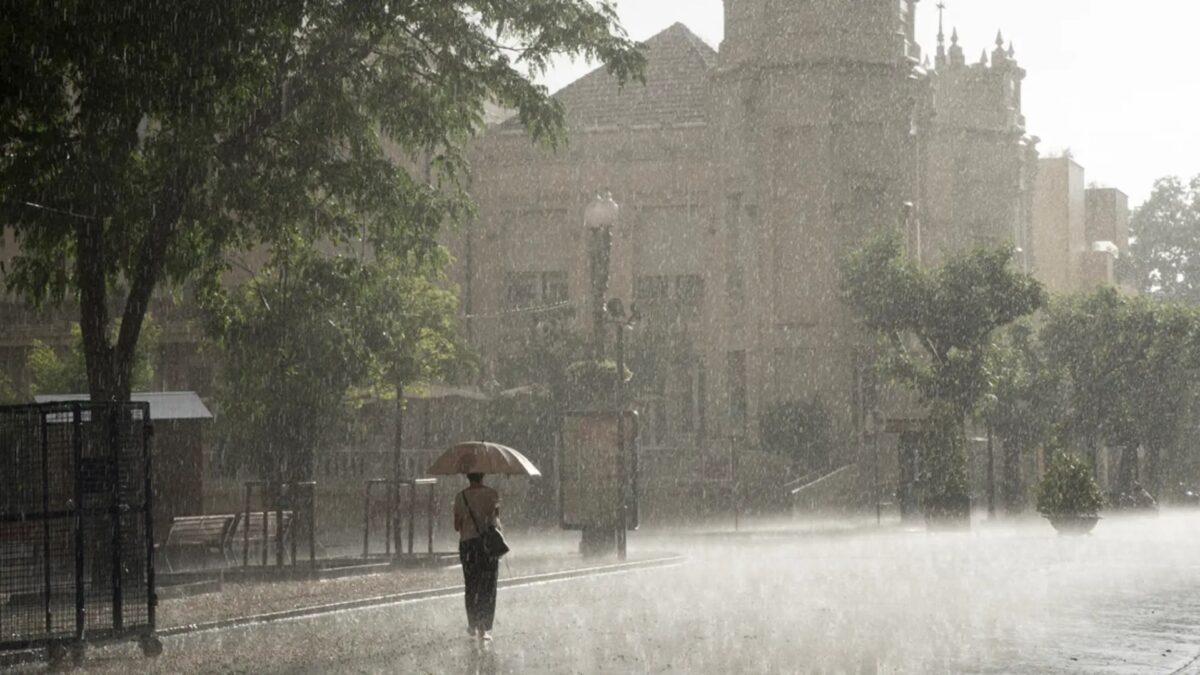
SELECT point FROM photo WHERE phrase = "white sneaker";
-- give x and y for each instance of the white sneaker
(485, 635)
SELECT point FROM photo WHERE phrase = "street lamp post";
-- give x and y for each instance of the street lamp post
(615, 309)
(599, 218)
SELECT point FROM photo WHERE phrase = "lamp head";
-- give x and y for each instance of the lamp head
(602, 212)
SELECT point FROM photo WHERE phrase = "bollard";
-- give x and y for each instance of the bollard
(367, 520)
(429, 513)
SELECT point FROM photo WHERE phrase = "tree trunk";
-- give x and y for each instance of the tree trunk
(1089, 444)
(103, 381)
(1013, 487)
(1127, 470)
(1152, 475)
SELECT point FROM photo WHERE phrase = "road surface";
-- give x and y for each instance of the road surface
(996, 600)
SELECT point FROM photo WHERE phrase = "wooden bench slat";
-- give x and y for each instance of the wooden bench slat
(206, 533)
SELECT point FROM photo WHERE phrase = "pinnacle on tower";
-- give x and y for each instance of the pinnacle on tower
(956, 51)
(941, 8)
(1000, 55)
(941, 37)
(1012, 52)
(983, 61)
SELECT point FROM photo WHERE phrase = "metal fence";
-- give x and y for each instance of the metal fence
(76, 550)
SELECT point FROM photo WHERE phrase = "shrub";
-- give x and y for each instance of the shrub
(1068, 488)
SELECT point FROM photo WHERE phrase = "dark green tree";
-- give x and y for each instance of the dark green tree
(937, 326)
(53, 371)
(1164, 252)
(314, 335)
(1027, 400)
(1068, 488)
(1131, 366)
(142, 143)
(8, 390)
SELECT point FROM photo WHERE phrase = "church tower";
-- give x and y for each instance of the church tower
(818, 105)
(981, 164)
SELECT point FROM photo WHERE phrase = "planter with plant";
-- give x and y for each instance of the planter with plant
(1069, 496)
(592, 383)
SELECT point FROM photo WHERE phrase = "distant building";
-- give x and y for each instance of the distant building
(1079, 232)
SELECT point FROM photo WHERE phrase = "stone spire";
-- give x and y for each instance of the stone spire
(941, 37)
(1000, 55)
(956, 52)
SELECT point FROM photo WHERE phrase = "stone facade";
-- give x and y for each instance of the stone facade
(743, 177)
(747, 174)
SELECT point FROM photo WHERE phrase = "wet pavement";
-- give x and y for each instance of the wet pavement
(999, 599)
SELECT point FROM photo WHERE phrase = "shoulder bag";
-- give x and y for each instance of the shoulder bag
(492, 539)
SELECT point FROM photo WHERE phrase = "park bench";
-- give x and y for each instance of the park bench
(249, 535)
(201, 537)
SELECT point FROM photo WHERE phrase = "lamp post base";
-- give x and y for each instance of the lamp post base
(598, 541)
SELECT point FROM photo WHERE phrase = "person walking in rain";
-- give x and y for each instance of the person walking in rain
(475, 508)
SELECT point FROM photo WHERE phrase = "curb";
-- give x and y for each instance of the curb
(415, 596)
(33, 656)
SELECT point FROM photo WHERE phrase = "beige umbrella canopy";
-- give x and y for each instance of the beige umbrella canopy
(483, 457)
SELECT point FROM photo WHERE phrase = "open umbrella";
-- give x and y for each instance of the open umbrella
(483, 457)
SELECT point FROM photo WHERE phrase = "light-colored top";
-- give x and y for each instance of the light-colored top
(485, 504)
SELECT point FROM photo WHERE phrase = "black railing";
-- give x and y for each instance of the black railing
(76, 544)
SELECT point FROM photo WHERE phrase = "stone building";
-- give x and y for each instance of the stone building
(744, 176)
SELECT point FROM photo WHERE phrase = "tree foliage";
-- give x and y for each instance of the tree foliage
(1131, 365)
(1026, 404)
(310, 332)
(1027, 389)
(8, 390)
(1164, 253)
(52, 371)
(937, 327)
(141, 143)
(938, 323)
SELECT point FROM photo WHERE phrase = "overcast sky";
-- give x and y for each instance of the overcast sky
(1114, 81)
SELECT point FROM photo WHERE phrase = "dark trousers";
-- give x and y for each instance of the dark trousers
(479, 575)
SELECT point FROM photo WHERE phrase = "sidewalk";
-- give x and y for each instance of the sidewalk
(236, 599)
